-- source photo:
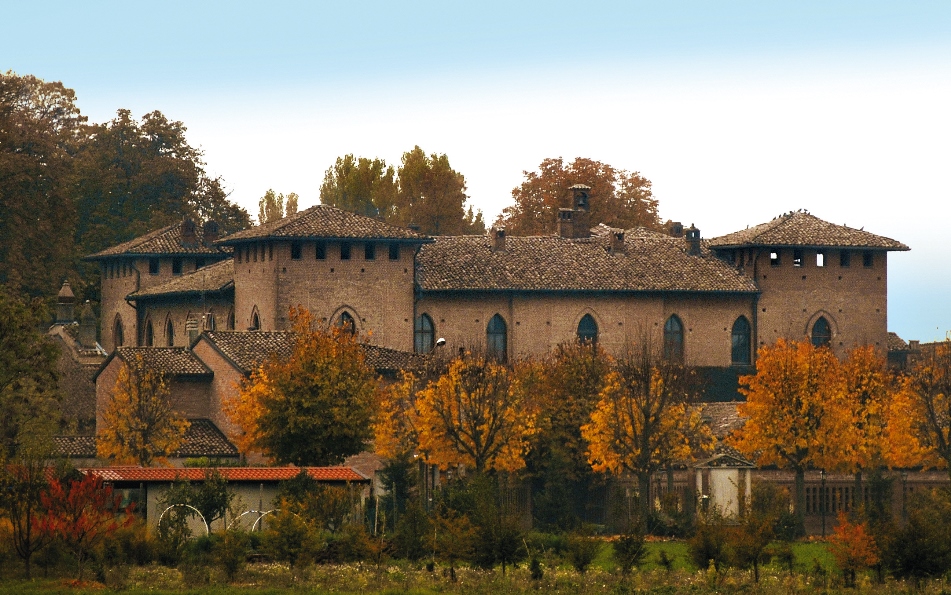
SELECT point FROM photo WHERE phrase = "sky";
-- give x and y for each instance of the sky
(737, 111)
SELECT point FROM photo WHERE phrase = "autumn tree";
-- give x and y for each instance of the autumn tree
(82, 513)
(930, 400)
(140, 425)
(619, 198)
(312, 408)
(798, 414)
(361, 185)
(644, 418)
(853, 547)
(40, 128)
(479, 414)
(273, 206)
(424, 191)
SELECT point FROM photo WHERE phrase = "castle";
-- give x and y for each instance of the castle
(207, 308)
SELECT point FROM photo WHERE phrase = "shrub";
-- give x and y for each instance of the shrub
(921, 549)
(289, 539)
(630, 549)
(413, 539)
(231, 553)
(582, 549)
(709, 545)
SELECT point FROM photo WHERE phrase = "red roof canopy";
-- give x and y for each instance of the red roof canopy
(232, 474)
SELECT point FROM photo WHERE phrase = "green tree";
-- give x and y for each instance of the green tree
(619, 198)
(140, 426)
(272, 206)
(313, 408)
(361, 185)
(40, 131)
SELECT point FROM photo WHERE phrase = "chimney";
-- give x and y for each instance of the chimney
(498, 239)
(579, 197)
(209, 232)
(914, 346)
(566, 223)
(191, 327)
(617, 241)
(65, 304)
(693, 240)
(188, 233)
(675, 229)
(87, 327)
(413, 227)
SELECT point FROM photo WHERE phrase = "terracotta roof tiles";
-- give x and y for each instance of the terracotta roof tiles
(167, 240)
(232, 474)
(323, 221)
(202, 439)
(174, 361)
(213, 278)
(800, 228)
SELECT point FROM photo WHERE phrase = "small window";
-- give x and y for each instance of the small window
(496, 338)
(424, 335)
(230, 322)
(149, 334)
(347, 323)
(674, 339)
(740, 342)
(199, 262)
(153, 266)
(247, 253)
(821, 333)
(868, 259)
(588, 330)
(394, 251)
(210, 323)
(123, 268)
(237, 255)
(344, 250)
(169, 334)
(255, 253)
(296, 250)
(255, 321)
(270, 251)
(774, 258)
(118, 333)
(797, 258)
(820, 258)
(369, 251)
(176, 266)
(321, 250)
(845, 259)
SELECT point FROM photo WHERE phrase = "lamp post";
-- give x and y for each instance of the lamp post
(904, 495)
(822, 499)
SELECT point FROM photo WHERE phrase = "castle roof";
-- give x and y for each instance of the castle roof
(249, 349)
(169, 240)
(799, 228)
(325, 222)
(172, 361)
(214, 278)
(648, 262)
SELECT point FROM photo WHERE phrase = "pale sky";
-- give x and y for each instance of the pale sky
(736, 111)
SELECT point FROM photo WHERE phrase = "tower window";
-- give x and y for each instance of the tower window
(344, 250)
(820, 258)
(176, 266)
(797, 258)
(153, 266)
(821, 333)
(588, 330)
(496, 338)
(774, 258)
(740, 342)
(347, 323)
(674, 339)
(394, 251)
(424, 334)
(369, 251)
(868, 259)
(296, 250)
(321, 251)
(149, 334)
(845, 259)
(169, 334)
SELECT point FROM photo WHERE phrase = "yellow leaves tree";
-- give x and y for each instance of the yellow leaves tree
(141, 427)
(799, 414)
(478, 414)
(930, 400)
(313, 408)
(643, 420)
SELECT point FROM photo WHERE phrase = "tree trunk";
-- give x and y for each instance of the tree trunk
(799, 503)
(644, 495)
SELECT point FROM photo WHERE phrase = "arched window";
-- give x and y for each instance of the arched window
(674, 339)
(424, 335)
(496, 338)
(255, 321)
(347, 323)
(170, 333)
(588, 330)
(231, 320)
(149, 337)
(118, 334)
(740, 342)
(210, 323)
(821, 333)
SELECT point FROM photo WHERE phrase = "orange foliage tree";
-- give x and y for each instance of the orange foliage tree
(853, 548)
(141, 427)
(478, 413)
(644, 420)
(798, 413)
(930, 400)
(313, 408)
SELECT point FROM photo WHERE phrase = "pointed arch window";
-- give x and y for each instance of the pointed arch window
(149, 337)
(740, 342)
(496, 338)
(170, 333)
(210, 323)
(821, 333)
(588, 330)
(347, 322)
(230, 323)
(424, 334)
(255, 321)
(118, 333)
(674, 339)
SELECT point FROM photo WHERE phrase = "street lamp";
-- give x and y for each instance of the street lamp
(822, 499)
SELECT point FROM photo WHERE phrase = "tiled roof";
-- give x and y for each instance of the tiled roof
(213, 278)
(173, 361)
(722, 418)
(167, 240)
(248, 350)
(649, 262)
(896, 343)
(233, 474)
(799, 228)
(323, 221)
(202, 439)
